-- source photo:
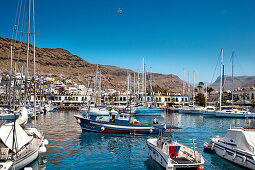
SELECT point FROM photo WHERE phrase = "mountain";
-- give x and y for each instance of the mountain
(239, 82)
(61, 64)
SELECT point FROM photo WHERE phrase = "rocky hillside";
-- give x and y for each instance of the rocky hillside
(61, 64)
(239, 82)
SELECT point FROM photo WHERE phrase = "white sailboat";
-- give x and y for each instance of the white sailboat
(19, 146)
(233, 112)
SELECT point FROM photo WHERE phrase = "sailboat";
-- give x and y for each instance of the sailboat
(147, 111)
(233, 112)
(19, 145)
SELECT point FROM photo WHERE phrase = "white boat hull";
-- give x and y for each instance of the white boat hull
(234, 156)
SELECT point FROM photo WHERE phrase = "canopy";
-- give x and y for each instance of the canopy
(6, 135)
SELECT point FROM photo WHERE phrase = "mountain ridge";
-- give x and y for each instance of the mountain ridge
(62, 64)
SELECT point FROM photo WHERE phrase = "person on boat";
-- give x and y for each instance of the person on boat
(155, 121)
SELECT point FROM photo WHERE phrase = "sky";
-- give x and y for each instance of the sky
(173, 36)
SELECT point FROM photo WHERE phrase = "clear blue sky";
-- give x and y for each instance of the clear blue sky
(170, 34)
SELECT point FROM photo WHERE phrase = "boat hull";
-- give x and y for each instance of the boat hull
(148, 111)
(234, 156)
(102, 127)
(235, 115)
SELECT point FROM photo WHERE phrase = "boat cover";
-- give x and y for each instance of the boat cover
(6, 135)
(245, 140)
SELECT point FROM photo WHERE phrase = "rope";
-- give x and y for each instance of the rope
(216, 67)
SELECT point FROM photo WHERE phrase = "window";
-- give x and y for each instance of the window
(124, 98)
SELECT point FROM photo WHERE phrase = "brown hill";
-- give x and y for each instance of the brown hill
(61, 64)
(239, 82)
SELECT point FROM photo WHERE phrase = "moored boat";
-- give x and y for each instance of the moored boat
(172, 155)
(238, 146)
(118, 123)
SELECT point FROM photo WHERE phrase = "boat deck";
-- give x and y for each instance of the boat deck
(182, 160)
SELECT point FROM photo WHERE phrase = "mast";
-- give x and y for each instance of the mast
(188, 85)
(145, 85)
(134, 83)
(34, 55)
(100, 87)
(95, 86)
(232, 80)
(183, 86)
(28, 32)
(138, 84)
(205, 94)
(150, 82)
(10, 80)
(193, 99)
(221, 76)
(127, 83)
(143, 76)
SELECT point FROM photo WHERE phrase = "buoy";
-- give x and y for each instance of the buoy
(102, 128)
(212, 146)
(79, 121)
(150, 130)
(199, 168)
(42, 149)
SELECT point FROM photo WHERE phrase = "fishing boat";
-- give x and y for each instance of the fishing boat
(238, 146)
(118, 123)
(172, 155)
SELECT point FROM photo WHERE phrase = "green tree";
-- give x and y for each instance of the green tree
(200, 99)
(209, 90)
(200, 86)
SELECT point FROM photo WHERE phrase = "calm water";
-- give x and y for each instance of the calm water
(70, 148)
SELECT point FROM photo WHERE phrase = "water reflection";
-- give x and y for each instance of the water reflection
(70, 148)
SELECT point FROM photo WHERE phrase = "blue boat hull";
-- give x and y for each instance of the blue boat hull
(103, 127)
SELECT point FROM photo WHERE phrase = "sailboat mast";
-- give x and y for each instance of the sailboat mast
(205, 94)
(95, 86)
(193, 99)
(232, 80)
(34, 55)
(183, 86)
(221, 76)
(10, 79)
(150, 82)
(138, 84)
(28, 32)
(145, 84)
(100, 87)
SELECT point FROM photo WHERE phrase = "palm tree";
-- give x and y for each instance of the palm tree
(209, 90)
(200, 85)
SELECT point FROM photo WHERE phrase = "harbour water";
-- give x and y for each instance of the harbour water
(70, 148)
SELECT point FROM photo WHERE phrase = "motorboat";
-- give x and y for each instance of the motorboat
(209, 110)
(118, 123)
(238, 146)
(172, 155)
